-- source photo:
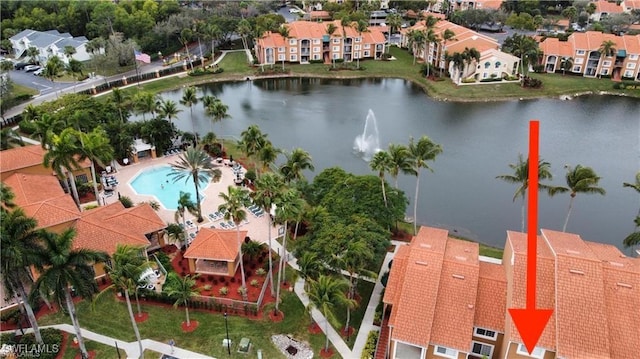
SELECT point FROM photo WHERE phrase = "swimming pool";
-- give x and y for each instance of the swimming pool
(154, 181)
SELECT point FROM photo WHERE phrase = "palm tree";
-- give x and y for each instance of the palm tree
(251, 142)
(459, 62)
(19, 239)
(284, 32)
(234, 201)
(95, 147)
(6, 197)
(400, 161)
(267, 156)
(45, 127)
(421, 151)
(325, 294)
(394, 21)
(381, 162)
(169, 110)
(289, 206)
(185, 37)
(430, 37)
(212, 32)
(310, 267)
(297, 161)
(121, 100)
(331, 28)
(635, 186)
(416, 42)
(268, 189)
(217, 110)
(33, 53)
(185, 204)
(124, 270)
(447, 35)
(53, 67)
(62, 158)
(9, 138)
(361, 26)
(522, 46)
(579, 180)
(175, 233)
(634, 238)
(182, 289)
(196, 164)
(61, 267)
(566, 64)
(607, 48)
(470, 54)
(146, 102)
(520, 177)
(244, 30)
(189, 98)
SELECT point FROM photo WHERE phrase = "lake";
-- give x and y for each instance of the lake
(479, 141)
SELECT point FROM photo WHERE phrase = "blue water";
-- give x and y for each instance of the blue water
(155, 181)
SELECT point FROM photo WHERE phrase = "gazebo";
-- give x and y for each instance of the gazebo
(214, 251)
(142, 149)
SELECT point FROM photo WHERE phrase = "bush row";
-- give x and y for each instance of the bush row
(27, 347)
(369, 350)
(625, 85)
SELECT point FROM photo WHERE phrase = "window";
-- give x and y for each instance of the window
(484, 75)
(579, 61)
(631, 65)
(628, 73)
(498, 64)
(633, 57)
(604, 72)
(367, 46)
(292, 41)
(316, 49)
(293, 50)
(356, 47)
(281, 49)
(606, 63)
(316, 57)
(335, 56)
(280, 57)
(445, 352)
(367, 54)
(536, 353)
(293, 58)
(482, 349)
(487, 64)
(336, 40)
(577, 68)
(580, 52)
(316, 41)
(358, 39)
(82, 178)
(485, 333)
(336, 48)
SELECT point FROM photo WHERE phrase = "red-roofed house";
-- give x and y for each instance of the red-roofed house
(214, 251)
(493, 62)
(605, 8)
(446, 302)
(310, 42)
(582, 51)
(28, 159)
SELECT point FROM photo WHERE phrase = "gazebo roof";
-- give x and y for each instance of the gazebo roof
(215, 244)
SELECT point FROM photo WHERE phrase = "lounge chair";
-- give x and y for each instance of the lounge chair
(212, 226)
(212, 216)
(223, 225)
(189, 223)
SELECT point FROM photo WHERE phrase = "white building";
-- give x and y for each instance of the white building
(49, 43)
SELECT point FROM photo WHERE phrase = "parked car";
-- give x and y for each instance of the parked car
(20, 65)
(39, 71)
(30, 68)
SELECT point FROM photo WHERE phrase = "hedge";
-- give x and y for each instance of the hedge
(369, 350)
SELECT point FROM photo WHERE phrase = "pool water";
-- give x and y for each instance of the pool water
(154, 181)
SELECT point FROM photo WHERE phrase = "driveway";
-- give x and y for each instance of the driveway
(39, 83)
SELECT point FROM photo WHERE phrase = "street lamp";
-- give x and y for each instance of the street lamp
(226, 327)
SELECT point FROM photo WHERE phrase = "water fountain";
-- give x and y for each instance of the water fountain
(368, 143)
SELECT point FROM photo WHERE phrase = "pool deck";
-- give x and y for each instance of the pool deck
(257, 227)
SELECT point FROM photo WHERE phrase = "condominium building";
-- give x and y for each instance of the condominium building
(310, 42)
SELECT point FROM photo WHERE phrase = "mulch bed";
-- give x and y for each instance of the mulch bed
(326, 354)
(347, 333)
(63, 345)
(189, 328)
(314, 328)
(276, 318)
(142, 317)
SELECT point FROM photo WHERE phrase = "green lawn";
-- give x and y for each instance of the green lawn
(110, 318)
(365, 289)
(102, 351)
(236, 63)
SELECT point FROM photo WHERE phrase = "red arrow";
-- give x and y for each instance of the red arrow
(530, 321)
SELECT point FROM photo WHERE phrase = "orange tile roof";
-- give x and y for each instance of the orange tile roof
(491, 301)
(21, 157)
(104, 227)
(488, 4)
(631, 4)
(215, 244)
(396, 275)
(608, 7)
(457, 296)
(42, 198)
(316, 30)
(321, 14)
(545, 288)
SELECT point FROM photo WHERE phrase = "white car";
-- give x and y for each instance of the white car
(293, 11)
(39, 71)
(30, 68)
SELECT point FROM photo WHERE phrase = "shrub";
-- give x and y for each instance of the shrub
(469, 80)
(223, 291)
(27, 127)
(255, 283)
(10, 315)
(250, 175)
(242, 291)
(126, 201)
(529, 82)
(316, 61)
(207, 287)
(261, 272)
(370, 347)
(164, 259)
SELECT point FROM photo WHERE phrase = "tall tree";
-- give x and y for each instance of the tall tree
(62, 158)
(297, 161)
(122, 102)
(326, 294)
(267, 156)
(146, 102)
(520, 177)
(416, 42)
(284, 32)
(190, 98)
(269, 188)
(400, 161)
(361, 26)
(62, 267)
(182, 290)
(185, 37)
(381, 162)
(421, 151)
(19, 239)
(95, 147)
(233, 205)
(521, 46)
(185, 204)
(124, 270)
(33, 54)
(566, 64)
(607, 49)
(579, 179)
(331, 29)
(244, 31)
(251, 142)
(9, 138)
(194, 164)
(216, 109)
(169, 110)
(45, 126)
(53, 68)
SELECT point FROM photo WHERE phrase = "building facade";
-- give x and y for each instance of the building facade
(582, 53)
(310, 42)
(49, 43)
(443, 300)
